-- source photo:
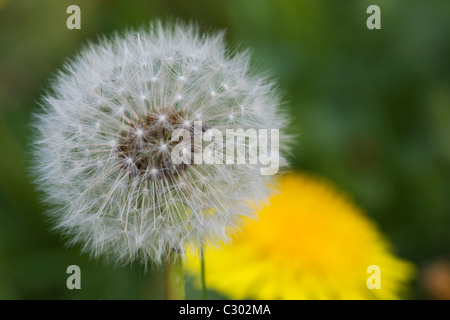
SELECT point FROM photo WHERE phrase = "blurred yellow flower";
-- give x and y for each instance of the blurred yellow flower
(311, 242)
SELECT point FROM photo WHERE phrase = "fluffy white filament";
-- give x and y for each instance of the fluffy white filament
(101, 147)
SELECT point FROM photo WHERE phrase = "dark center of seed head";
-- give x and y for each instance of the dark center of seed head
(145, 148)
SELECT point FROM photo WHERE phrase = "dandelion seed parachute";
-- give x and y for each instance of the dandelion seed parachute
(102, 149)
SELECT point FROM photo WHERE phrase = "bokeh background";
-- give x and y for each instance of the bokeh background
(371, 109)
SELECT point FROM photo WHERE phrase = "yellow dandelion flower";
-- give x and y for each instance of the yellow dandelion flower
(311, 242)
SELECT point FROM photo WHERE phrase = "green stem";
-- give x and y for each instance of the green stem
(202, 258)
(174, 277)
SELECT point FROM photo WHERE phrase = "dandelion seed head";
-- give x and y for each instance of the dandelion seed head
(115, 190)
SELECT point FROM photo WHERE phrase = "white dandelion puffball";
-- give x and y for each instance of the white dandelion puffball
(104, 143)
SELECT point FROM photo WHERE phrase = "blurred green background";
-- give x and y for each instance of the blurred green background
(371, 107)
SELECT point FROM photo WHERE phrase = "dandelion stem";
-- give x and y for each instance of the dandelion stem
(174, 276)
(202, 259)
